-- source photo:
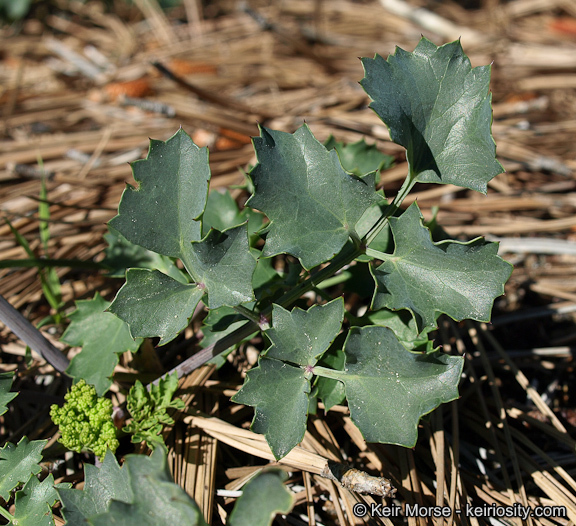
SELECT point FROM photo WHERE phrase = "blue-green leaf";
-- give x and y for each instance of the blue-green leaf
(389, 389)
(427, 278)
(163, 213)
(155, 499)
(101, 485)
(312, 202)
(262, 499)
(223, 264)
(280, 385)
(18, 463)
(439, 108)
(154, 304)
(102, 337)
(33, 503)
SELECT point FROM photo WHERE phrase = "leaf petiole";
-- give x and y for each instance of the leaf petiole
(337, 279)
(259, 318)
(377, 254)
(328, 373)
(247, 313)
(405, 189)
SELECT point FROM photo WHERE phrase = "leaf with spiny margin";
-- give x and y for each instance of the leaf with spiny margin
(313, 204)
(439, 108)
(33, 503)
(101, 486)
(276, 389)
(5, 395)
(280, 384)
(262, 499)
(302, 336)
(389, 389)
(427, 278)
(102, 337)
(156, 499)
(163, 213)
(223, 264)
(154, 304)
(18, 463)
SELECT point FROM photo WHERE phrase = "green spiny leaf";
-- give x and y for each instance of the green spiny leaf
(163, 213)
(100, 487)
(153, 304)
(33, 503)
(389, 389)
(102, 337)
(18, 463)
(280, 385)
(312, 202)
(301, 337)
(223, 264)
(427, 278)
(439, 108)
(156, 499)
(279, 393)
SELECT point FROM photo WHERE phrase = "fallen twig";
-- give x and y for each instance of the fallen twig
(31, 336)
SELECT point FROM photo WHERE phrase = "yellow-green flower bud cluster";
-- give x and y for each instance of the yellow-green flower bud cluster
(85, 421)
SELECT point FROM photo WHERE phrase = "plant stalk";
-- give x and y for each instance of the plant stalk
(348, 254)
